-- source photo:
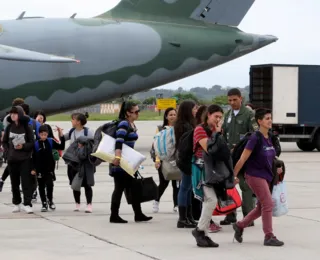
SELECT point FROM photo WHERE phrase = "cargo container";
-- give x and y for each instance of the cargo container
(292, 92)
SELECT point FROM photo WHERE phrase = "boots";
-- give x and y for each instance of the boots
(203, 240)
(190, 216)
(229, 219)
(115, 218)
(138, 215)
(183, 221)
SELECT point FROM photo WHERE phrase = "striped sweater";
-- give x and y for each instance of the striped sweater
(125, 134)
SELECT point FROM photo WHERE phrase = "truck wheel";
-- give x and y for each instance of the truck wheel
(306, 146)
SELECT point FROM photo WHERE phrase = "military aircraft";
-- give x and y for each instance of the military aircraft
(63, 64)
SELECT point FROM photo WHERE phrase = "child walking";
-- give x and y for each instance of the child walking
(44, 165)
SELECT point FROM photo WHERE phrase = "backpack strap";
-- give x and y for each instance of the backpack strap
(34, 124)
(36, 146)
(50, 142)
(71, 131)
(27, 129)
(258, 145)
(86, 130)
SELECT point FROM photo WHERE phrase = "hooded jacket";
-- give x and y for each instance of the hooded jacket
(18, 131)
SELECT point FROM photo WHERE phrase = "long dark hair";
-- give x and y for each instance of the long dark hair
(125, 107)
(166, 113)
(184, 117)
(212, 109)
(200, 116)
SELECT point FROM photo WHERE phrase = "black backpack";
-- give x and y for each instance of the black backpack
(184, 152)
(108, 129)
(238, 149)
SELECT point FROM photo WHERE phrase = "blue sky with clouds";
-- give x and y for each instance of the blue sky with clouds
(295, 22)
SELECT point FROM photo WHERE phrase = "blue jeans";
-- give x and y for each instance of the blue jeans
(185, 191)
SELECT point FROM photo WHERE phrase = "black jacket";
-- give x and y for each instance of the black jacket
(18, 131)
(42, 158)
(276, 177)
(218, 162)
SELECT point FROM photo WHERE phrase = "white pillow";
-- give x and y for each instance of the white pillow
(130, 158)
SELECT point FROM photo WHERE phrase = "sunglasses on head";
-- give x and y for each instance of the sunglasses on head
(135, 112)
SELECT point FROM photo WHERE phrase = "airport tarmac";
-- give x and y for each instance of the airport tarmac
(69, 235)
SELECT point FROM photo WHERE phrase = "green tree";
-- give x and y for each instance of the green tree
(186, 96)
(149, 101)
(220, 100)
(136, 101)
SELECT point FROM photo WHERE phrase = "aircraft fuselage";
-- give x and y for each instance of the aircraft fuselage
(117, 58)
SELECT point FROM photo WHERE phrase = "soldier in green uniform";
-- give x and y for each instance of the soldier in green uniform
(238, 121)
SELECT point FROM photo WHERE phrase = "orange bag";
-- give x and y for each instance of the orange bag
(225, 207)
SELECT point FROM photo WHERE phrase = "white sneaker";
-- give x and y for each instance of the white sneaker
(16, 208)
(155, 207)
(28, 209)
(175, 209)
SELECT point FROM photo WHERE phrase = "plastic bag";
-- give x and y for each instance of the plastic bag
(279, 198)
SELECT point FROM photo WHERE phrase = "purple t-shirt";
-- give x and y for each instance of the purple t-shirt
(260, 162)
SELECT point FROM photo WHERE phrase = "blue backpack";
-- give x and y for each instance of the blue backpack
(164, 144)
(55, 153)
(86, 130)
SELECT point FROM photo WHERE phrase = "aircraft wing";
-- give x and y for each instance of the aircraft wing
(17, 54)
(224, 12)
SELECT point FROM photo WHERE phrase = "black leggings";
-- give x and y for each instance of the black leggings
(87, 189)
(163, 186)
(123, 181)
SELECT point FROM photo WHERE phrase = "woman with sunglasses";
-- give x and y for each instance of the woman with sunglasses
(126, 134)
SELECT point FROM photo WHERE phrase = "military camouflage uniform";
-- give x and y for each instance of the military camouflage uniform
(234, 128)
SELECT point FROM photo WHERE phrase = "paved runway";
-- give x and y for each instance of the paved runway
(68, 235)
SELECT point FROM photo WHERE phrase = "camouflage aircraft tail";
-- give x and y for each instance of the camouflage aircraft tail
(224, 12)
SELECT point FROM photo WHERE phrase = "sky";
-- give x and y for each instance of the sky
(296, 23)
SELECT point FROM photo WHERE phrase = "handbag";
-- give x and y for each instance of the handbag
(143, 189)
(170, 170)
(77, 182)
(229, 204)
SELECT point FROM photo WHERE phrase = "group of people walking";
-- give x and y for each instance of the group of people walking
(29, 145)
(215, 136)
(31, 151)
